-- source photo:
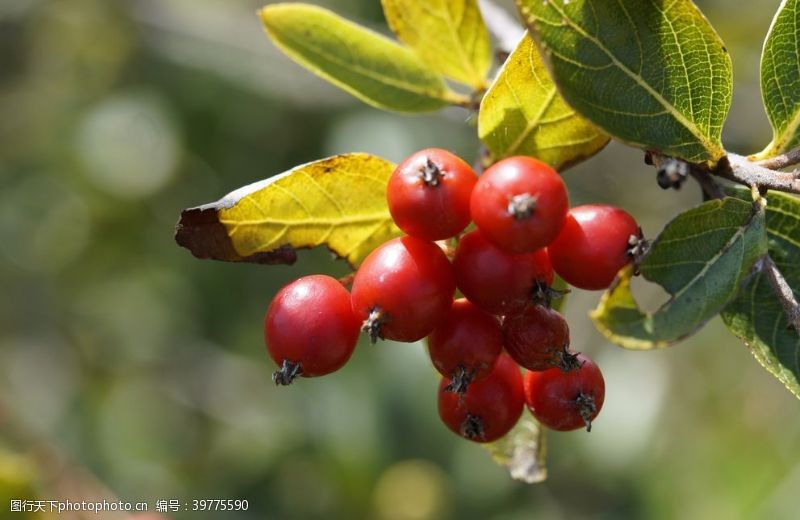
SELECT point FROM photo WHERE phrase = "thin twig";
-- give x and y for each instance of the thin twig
(782, 290)
(754, 175)
(711, 189)
(739, 169)
(483, 160)
(781, 161)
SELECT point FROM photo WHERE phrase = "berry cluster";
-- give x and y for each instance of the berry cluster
(404, 291)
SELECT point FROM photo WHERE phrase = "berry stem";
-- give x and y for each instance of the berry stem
(287, 373)
(347, 280)
(587, 409)
(372, 325)
(521, 206)
(460, 380)
(472, 427)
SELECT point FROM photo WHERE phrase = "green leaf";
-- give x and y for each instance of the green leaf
(339, 202)
(652, 73)
(367, 65)
(523, 114)
(449, 35)
(523, 451)
(780, 79)
(700, 259)
(757, 316)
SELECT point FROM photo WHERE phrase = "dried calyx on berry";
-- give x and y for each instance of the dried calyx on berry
(565, 401)
(310, 329)
(489, 408)
(429, 193)
(460, 380)
(522, 206)
(519, 204)
(430, 173)
(472, 428)
(594, 244)
(287, 373)
(372, 325)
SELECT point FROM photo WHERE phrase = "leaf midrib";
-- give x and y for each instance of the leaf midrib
(532, 124)
(334, 221)
(712, 261)
(712, 148)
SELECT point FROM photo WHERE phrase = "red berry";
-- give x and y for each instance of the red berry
(496, 281)
(489, 408)
(537, 339)
(403, 289)
(429, 193)
(594, 245)
(465, 345)
(310, 329)
(566, 401)
(519, 204)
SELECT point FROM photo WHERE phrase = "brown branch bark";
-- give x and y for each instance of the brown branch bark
(734, 168)
(782, 290)
(739, 169)
(781, 161)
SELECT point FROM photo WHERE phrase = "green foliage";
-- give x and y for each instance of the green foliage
(367, 65)
(700, 259)
(652, 74)
(339, 202)
(449, 35)
(780, 79)
(756, 316)
(523, 114)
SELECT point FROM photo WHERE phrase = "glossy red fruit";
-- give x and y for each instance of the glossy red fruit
(538, 339)
(310, 329)
(593, 245)
(403, 289)
(519, 204)
(566, 401)
(429, 194)
(496, 281)
(465, 344)
(489, 408)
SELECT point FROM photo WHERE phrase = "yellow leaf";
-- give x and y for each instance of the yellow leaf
(369, 66)
(339, 202)
(449, 35)
(523, 114)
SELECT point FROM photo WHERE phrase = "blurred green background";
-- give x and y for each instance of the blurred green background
(129, 369)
